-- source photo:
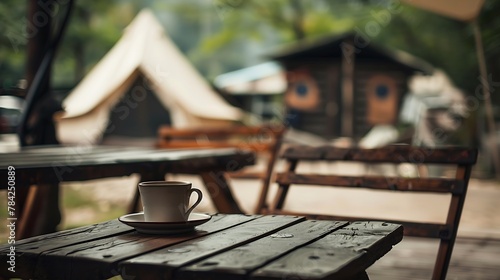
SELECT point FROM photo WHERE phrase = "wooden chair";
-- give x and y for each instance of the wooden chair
(461, 158)
(265, 141)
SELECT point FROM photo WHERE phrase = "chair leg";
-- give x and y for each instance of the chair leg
(361, 276)
(441, 265)
(262, 206)
(279, 200)
(41, 214)
(134, 203)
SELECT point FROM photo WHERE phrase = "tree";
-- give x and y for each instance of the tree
(13, 38)
(94, 28)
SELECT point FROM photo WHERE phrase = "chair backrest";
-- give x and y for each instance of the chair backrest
(462, 160)
(264, 140)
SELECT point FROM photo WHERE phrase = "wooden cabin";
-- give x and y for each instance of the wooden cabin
(342, 86)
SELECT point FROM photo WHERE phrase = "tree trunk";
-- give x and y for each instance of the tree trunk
(38, 30)
(298, 20)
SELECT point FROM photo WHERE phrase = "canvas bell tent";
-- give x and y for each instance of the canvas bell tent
(143, 69)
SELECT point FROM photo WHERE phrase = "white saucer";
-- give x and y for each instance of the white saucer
(136, 221)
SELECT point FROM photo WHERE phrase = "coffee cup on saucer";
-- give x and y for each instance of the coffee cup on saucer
(167, 201)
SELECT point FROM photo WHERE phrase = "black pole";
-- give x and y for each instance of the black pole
(40, 17)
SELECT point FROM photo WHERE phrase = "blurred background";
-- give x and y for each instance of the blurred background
(357, 72)
(222, 36)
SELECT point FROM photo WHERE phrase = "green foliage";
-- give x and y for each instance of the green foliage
(443, 42)
(93, 29)
(13, 39)
(224, 35)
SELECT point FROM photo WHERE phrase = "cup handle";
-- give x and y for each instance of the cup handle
(200, 196)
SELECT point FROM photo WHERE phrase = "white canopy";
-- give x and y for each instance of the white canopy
(465, 10)
(143, 49)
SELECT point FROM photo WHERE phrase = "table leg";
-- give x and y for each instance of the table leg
(220, 192)
(41, 212)
(361, 276)
(135, 204)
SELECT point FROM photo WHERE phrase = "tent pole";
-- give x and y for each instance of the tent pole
(486, 94)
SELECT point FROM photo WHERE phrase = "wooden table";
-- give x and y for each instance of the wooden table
(42, 168)
(226, 247)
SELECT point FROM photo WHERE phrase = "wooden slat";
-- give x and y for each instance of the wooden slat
(395, 154)
(177, 144)
(416, 229)
(101, 257)
(339, 255)
(236, 264)
(164, 262)
(374, 182)
(247, 175)
(68, 154)
(167, 131)
(28, 250)
(43, 171)
(48, 158)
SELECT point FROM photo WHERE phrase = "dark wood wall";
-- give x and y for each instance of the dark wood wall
(326, 120)
(363, 71)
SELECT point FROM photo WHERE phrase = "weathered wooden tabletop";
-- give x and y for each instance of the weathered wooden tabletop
(226, 247)
(54, 164)
(45, 166)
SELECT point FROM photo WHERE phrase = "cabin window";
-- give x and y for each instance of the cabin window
(382, 99)
(303, 93)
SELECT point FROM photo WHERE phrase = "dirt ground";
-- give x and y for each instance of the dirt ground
(479, 219)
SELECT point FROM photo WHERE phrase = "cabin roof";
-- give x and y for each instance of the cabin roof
(332, 47)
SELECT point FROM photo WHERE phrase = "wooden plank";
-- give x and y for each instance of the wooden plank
(98, 157)
(300, 152)
(28, 250)
(170, 132)
(66, 154)
(237, 263)
(440, 185)
(102, 256)
(163, 263)
(416, 229)
(343, 254)
(214, 144)
(394, 153)
(189, 162)
(411, 154)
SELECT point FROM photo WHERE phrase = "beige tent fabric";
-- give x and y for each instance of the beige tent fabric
(465, 10)
(143, 49)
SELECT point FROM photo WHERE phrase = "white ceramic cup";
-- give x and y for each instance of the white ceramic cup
(167, 201)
